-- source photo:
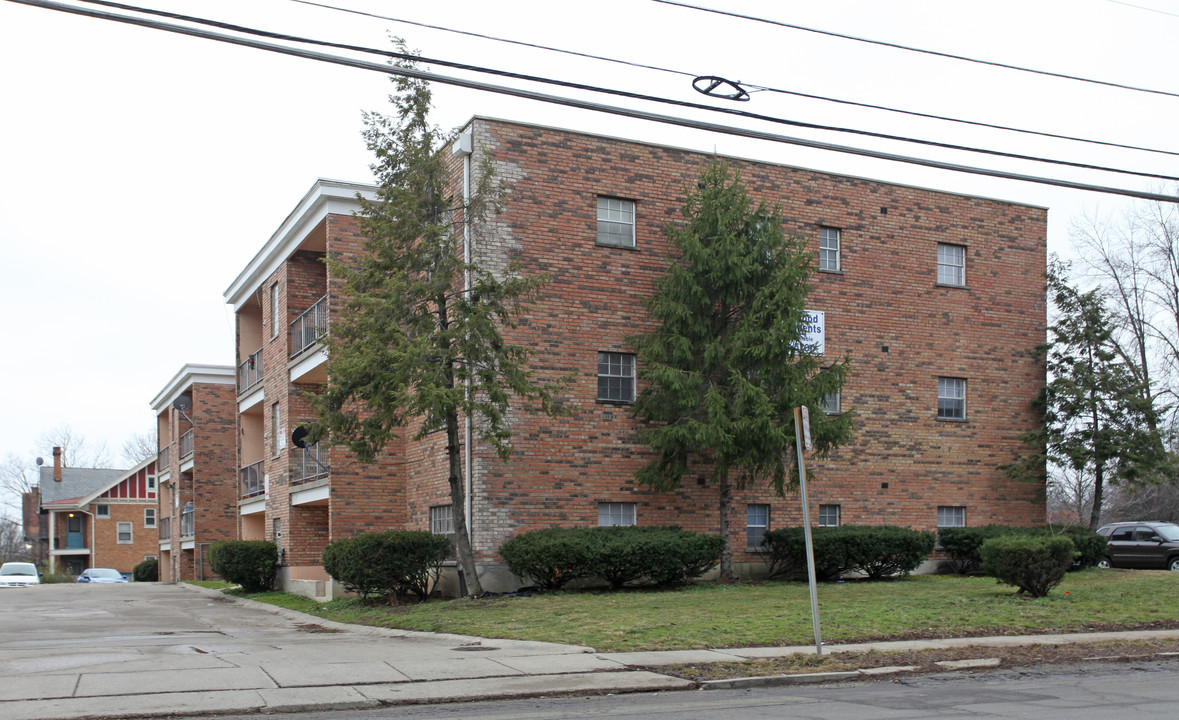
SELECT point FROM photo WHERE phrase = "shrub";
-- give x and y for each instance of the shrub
(878, 551)
(388, 564)
(1088, 546)
(249, 563)
(550, 557)
(963, 544)
(1033, 564)
(662, 556)
(146, 571)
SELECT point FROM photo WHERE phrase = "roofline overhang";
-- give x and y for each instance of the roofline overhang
(325, 197)
(189, 375)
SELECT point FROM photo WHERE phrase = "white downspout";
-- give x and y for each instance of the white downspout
(464, 146)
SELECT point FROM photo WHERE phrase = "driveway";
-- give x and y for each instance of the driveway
(75, 651)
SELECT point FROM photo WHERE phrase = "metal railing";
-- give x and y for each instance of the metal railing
(165, 528)
(249, 373)
(186, 444)
(251, 480)
(187, 524)
(165, 459)
(309, 463)
(309, 327)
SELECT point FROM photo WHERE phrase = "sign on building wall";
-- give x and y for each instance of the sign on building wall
(815, 333)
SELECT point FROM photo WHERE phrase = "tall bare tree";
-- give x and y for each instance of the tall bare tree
(140, 447)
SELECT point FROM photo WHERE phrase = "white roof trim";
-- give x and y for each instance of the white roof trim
(190, 374)
(324, 198)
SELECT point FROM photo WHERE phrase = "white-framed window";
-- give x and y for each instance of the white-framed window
(442, 523)
(151, 483)
(830, 404)
(275, 313)
(149, 517)
(828, 516)
(616, 222)
(951, 398)
(616, 377)
(613, 514)
(102, 511)
(951, 516)
(829, 249)
(951, 264)
(757, 521)
(150, 557)
(124, 533)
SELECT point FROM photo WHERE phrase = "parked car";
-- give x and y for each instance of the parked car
(19, 574)
(1141, 545)
(101, 575)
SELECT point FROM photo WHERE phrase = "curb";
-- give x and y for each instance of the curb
(822, 677)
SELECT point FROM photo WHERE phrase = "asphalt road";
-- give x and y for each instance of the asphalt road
(1130, 691)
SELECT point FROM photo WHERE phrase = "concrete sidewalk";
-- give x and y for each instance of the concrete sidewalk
(230, 659)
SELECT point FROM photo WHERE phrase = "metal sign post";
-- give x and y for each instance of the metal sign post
(802, 433)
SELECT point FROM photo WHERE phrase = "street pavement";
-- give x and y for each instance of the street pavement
(156, 649)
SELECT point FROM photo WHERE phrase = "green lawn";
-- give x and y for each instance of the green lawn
(706, 615)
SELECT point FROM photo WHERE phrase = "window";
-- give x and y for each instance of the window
(149, 557)
(616, 377)
(951, 516)
(951, 264)
(274, 310)
(442, 523)
(757, 521)
(149, 517)
(124, 531)
(828, 516)
(830, 404)
(613, 514)
(151, 483)
(951, 398)
(829, 249)
(102, 511)
(616, 222)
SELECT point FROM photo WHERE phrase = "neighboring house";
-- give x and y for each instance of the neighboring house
(99, 517)
(937, 298)
(36, 526)
(195, 430)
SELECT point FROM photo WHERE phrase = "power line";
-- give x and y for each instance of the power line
(1143, 7)
(908, 48)
(627, 94)
(591, 106)
(781, 91)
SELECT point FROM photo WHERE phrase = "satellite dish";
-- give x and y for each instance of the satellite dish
(182, 403)
(40, 461)
(299, 437)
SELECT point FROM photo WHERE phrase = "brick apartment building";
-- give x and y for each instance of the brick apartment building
(196, 436)
(937, 298)
(99, 517)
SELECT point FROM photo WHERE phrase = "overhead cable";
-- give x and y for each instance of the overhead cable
(757, 86)
(908, 48)
(587, 105)
(631, 95)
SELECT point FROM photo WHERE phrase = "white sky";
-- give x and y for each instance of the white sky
(141, 170)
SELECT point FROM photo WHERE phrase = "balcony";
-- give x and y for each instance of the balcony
(309, 327)
(186, 445)
(165, 528)
(187, 524)
(251, 480)
(165, 459)
(309, 463)
(249, 373)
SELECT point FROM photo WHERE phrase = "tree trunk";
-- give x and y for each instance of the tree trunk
(726, 499)
(458, 509)
(1098, 489)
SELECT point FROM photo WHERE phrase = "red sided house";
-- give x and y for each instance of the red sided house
(195, 423)
(99, 517)
(937, 298)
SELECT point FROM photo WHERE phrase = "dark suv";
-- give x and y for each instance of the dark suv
(1141, 545)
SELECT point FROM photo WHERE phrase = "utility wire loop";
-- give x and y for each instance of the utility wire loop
(708, 85)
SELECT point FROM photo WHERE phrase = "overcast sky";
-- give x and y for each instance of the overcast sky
(141, 170)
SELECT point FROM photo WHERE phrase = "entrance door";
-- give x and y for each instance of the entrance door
(74, 532)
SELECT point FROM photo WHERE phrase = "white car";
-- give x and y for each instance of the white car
(19, 574)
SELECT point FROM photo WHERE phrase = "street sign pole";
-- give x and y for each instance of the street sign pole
(802, 429)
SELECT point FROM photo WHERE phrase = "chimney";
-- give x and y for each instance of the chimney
(57, 464)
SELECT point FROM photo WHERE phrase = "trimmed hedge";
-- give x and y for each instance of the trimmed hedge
(664, 556)
(964, 543)
(389, 564)
(252, 564)
(146, 571)
(1034, 564)
(877, 551)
